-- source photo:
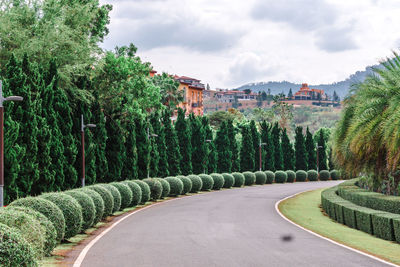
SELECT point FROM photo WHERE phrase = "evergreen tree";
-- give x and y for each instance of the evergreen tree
(115, 149)
(184, 137)
(301, 153)
(130, 170)
(154, 154)
(288, 152)
(290, 94)
(330, 160)
(199, 146)
(224, 155)
(162, 149)
(323, 164)
(246, 150)
(171, 141)
(276, 140)
(255, 136)
(233, 145)
(311, 153)
(212, 157)
(269, 148)
(143, 148)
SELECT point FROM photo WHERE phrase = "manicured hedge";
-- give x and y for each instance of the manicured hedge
(324, 175)
(87, 207)
(335, 174)
(218, 181)
(187, 184)
(261, 177)
(301, 176)
(71, 210)
(125, 192)
(176, 186)
(48, 209)
(249, 178)
(108, 199)
(14, 249)
(165, 187)
(208, 182)
(239, 179)
(155, 188)
(115, 194)
(229, 180)
(136, 193)
(270, 177)
(312, 175)
(291, 176)
(280, 177)
(97, 201)
(197, 183)
(146, 194)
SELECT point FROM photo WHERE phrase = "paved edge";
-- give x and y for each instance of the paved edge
(323, 237)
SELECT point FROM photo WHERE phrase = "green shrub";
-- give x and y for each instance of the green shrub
(280, 177)
(324, 175)
(270, 177)
(349, 213)
(291, 176)
(218, 181)
(197, 183)
(239, 179)
(301, 176)
(116, 196)
(107, 198)
(87, 207)
(261, 177)
(187, 184)
(207, 181)
(98, 203)
(155, 188)
(71, 209)
(249, 178)
(50, 240)
(382, 224)
(136, 193)
(48, 209)
(176, 186)
(338, 206)
(312, 175)
(396, 228)
(364, 220)
(145, 191)
(125, 192)
(29, 227)
(335, 174)
(229, 180)
(14, 249)
(166, 188)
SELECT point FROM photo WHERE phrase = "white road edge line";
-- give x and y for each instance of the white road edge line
(325, 238)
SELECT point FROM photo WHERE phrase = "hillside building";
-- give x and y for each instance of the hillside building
(306, 93)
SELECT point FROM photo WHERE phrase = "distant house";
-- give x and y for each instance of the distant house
(306, 93)
(192, 94)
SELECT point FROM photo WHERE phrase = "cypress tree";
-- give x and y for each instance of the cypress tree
(199, 146)
(154, 155)
(130, 170)
(224, 155)
(162, 149)
(322, 152)
(211, 149)
(330, 160)
(115, 149)
(233, 145)
(185, 146)
(246, 150)
(311, 153)
(276, 140)
(143, 148)
(301, 153)
(288, 152)
(269, 148)
(171, 141)
(256, 144)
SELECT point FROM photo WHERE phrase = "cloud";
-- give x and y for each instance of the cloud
(335, 40)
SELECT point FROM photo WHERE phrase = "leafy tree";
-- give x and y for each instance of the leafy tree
(170, 95)
(269, 148)
(199, 147)
(256, 143)
(288, 152)
(233, 146)
(224, 154)
(162, 148)
(184, 137)
(276, 140)
(301, 153)
(310, 149)
(246, 150)
(143, 147)
(171, 141)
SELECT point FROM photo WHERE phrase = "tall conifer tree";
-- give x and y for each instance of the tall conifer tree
(246, 150)
(276, 140)
(311, 153)
(301, 153)
(162, 148)
(288, 152)
(199, 146)
(211, 149)
(115, 149)
(130, 170)
(171, 141)
(154, 154)
(184, 138)
(233, 145)
(143, 148)
(256, 144)
(224, 155)
(269, 148)
(323, 163)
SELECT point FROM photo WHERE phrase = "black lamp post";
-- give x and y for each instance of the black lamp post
(83, 126)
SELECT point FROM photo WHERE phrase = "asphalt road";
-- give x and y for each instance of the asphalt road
(237, 227)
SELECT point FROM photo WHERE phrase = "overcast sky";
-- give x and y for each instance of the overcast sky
(228, 43)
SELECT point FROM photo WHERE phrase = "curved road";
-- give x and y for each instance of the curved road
(237, 227)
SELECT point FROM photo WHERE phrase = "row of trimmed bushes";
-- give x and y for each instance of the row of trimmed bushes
(376, 222)
(31, 227)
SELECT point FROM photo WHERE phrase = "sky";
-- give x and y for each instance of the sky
(228, 43)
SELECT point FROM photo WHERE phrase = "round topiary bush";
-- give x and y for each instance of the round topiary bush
(239, 179)
(145, 191)
(229, 180)
(125, 192)
(312, 175)
(107, 199)
(71, 210)
(291, 176)
(301, 176)
(261, 177)
(14, 249)
(155, 188)
(324, 175)
(136, 193)
(197, 183)
(116, 196)
(335, 174)
(165, 187)
(176, 186)
(50, 240)
(29, 227)
(280, 177)
(208, 182)
(48, 209)
(98, 203)
(187, 184)
(87, 206)
(218, 181)
(270, 177)
(249, 178)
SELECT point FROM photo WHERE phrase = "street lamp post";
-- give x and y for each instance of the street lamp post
(3, 99)
(261, 144)
(148, 139)
(318, 147)
(83, 126)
